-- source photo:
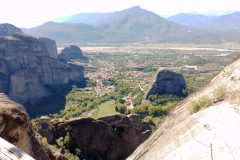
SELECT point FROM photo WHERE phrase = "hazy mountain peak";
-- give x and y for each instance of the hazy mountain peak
(225, 22)
(134, 7)
(194, 13)
(191, 19)
(218, 12)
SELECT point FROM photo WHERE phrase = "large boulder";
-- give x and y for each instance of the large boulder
(26, 66)
(73, 52)
(166, 81)
(8, 29)
(111, 135)
(16, 128)
(51, 46)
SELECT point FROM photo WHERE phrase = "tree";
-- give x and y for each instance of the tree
(77, 151)
(121, 108)
(67, 140)
(149, 119)
(60, 142)
(44, 141)
(84, 104)
(155, 111)
(121, 100)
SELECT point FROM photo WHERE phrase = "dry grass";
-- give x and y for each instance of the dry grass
(219, 93)
(204, 101)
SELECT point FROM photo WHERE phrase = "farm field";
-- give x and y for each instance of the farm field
(106, 109)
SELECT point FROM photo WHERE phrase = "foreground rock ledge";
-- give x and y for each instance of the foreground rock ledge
(16, 128)
(99, 133)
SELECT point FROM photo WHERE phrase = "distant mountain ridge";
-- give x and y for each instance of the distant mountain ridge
(225, 22)
(84, 18)
(187, 19)
(133, 25)
(8, 29)
(218, 12)
(136, 23)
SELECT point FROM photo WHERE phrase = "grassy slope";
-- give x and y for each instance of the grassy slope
(106, 109)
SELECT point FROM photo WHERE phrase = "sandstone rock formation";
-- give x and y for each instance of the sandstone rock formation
(8, 29)
(111, 134)
(166, 81)
(64, 59)
(51, 46)
(26, 66)
(60, 156)
(73, 52)
(211, 133)
(16, 128)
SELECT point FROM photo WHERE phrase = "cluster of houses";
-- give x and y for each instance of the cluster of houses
(100, 88)
(188, 67)
(143, 79)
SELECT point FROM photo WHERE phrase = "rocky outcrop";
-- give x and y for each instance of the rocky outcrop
(26, 66)
(60, 156)
(64, 59)
(111, 135)
(16, 128)
(51, 46)
(45, 128)
(166, 81)
(8, 29)
(210, 133)
(73, 52)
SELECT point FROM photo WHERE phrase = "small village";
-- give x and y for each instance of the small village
(137, 79)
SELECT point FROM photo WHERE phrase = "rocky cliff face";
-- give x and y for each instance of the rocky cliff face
(111, 134)
(26, 66)
(166, 82)
(64, 59)
(51, 46)
(8, 29)
(73, 52)
(210, 133)
(16, 128)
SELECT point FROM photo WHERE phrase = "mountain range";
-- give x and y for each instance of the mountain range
(95, 17)
(224, 22)
(133, 25)
(194, 20)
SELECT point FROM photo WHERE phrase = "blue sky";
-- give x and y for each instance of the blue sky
(31, 13)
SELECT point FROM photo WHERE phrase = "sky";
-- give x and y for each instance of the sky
(31, 13)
